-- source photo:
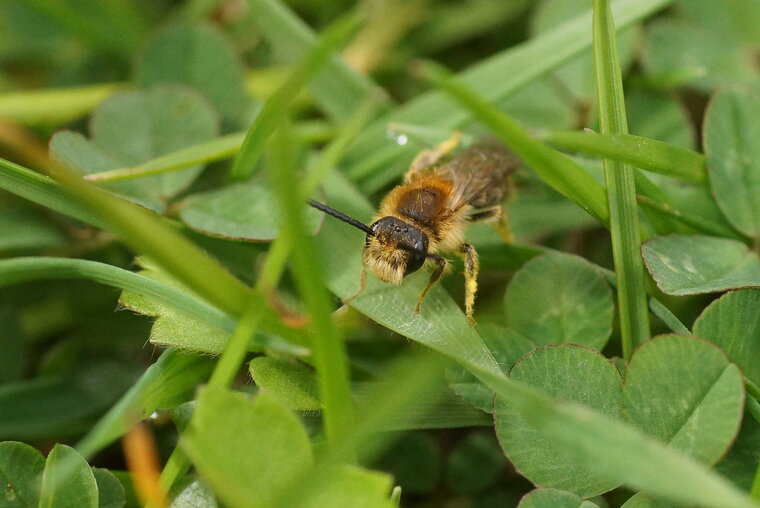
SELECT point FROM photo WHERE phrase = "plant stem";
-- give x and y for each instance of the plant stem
(275, 108)
(327, 346)
(621, 189)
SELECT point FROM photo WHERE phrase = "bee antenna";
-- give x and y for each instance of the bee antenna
(342, 216)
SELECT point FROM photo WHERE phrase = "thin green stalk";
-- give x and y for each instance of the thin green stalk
(667, 317)
(332, 154)
(203, 153)
(275, 108)
(54, 106)
(328, 350)
(645, 153)
(338, 89)
(621, 188)
(24, 269)
(45, 191)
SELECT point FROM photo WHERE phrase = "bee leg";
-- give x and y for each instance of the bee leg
(427, 158)
(500, 219)
(434, 277)
(471, 268)
(362, 285)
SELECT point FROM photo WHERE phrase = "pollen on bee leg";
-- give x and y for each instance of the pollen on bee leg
(471, 268)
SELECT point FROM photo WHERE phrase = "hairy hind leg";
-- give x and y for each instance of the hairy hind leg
(471, 268)
(499, 218)
(434, 277)
(427, 158)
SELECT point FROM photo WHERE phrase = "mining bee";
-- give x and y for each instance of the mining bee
(429, 212)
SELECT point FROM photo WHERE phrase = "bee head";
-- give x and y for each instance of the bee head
(395, 249)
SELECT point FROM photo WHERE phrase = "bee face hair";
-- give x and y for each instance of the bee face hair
(395, 249)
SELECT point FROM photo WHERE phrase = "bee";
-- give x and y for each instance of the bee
(429, 212)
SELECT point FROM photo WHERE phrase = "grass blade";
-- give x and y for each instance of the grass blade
(173, 373)
(328, 350)
(203, 153)
(645, 153)
(44, 191)
(337, 89)
(621, 188)
(55, 106)
(275, 108)
(145, 233)
(24, 269)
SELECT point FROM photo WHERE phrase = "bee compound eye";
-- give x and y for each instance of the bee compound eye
(416, 260)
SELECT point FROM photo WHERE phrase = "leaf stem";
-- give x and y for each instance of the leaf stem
(328, 351)
(275, 108)
(621, 188)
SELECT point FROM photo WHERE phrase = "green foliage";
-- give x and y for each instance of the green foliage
(134, 127)
(555, 299)
(290, 383)
(553, 369)
(687, 265)
(68, 480)
(732, 324)
(220, 212)
(22, 468)
(550, 498)
(197, 56)
(696, 395)
(730, 130)
(224, 277)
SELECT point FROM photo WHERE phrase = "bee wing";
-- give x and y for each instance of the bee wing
(479, 175)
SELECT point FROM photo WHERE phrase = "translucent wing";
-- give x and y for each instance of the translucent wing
(479, 174)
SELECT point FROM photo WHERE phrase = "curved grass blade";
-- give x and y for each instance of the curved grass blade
(169, 249)
(327, 346)
(24, 269)
(203, 153)
(621, 187)
(645, 153)
(166, 383)
(276, 107)
(54, 106)
(44, 191)
(338, 88)
(214, 150)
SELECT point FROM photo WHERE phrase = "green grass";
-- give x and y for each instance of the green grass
(595, 361)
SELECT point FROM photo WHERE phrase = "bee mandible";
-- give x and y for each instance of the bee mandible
(429, 212)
